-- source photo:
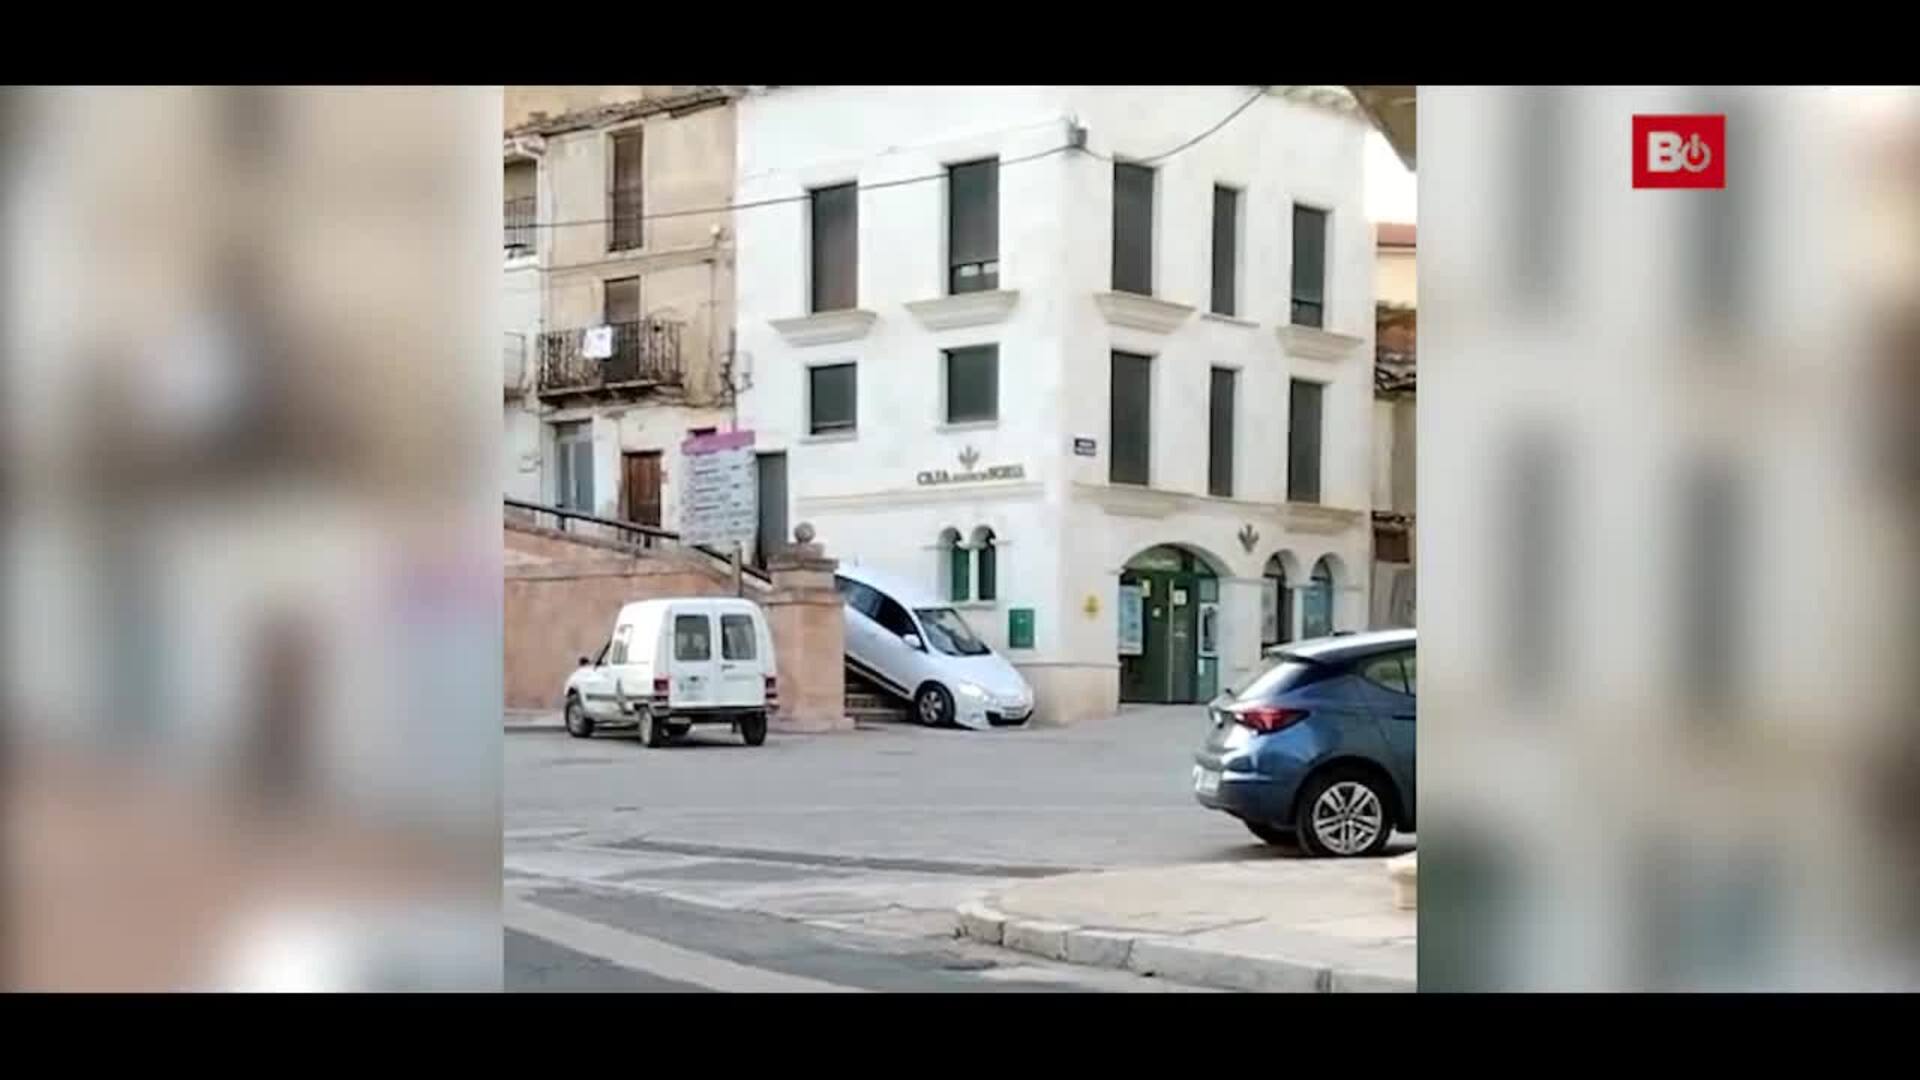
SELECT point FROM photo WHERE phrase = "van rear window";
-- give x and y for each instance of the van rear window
(692, 637)
(736, 637)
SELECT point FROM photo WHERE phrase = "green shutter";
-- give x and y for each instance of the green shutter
(957, 584)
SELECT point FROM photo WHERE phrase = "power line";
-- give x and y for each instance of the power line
(1224, 121)
(757, 203)
(902, 182)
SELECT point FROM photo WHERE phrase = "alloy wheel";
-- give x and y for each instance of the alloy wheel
(1348, 817)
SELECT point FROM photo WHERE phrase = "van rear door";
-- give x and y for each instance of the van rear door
(742, 677)
(693, 670)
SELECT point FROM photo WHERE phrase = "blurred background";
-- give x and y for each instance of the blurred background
(250, 548)
(1670, 507)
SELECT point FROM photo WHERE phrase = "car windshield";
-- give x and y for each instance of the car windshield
(949, 633)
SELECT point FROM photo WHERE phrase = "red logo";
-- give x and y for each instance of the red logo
(1679, 151)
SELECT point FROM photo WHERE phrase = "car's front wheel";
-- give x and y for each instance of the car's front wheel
(579, 724)
(933, 705)
(1345, 814)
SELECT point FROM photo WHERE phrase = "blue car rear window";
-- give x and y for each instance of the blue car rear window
(1287, 675)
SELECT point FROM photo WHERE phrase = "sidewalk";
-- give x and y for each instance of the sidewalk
(1269, 925)
(535, 720)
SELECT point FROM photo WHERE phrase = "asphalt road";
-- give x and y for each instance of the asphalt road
(834, 861)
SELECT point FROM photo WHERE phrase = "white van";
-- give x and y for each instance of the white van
(670, 664)
(920, 649)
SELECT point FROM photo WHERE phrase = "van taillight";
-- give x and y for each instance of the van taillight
(660, 687)
(1266, 718)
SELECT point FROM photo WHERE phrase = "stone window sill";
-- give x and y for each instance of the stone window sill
(1142, 312)
(826, 327)
(1230, 320)
(831, 437)
(965, 309)
(1318, 344)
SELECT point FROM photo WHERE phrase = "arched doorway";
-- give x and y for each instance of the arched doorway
(1276, 599)
(1316, 610)
(1169, 627)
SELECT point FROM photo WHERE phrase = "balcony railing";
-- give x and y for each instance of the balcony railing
(645, 354)
(520, 231)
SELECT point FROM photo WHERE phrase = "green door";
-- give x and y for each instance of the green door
(1167, 669)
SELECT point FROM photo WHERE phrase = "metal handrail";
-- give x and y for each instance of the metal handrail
(649, 535)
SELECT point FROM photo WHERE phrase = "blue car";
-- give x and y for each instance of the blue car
(1318, 750)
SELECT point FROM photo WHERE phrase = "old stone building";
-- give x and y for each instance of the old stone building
(619, 290)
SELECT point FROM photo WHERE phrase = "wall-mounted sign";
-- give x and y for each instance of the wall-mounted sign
(1085, 447)
(969, 473)
(1020, 628)
(719, 501)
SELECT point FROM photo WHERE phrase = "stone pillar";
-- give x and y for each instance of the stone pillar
(809, 637)
(1297, 616)
(1240, 628)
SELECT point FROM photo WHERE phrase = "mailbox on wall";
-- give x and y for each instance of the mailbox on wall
(1019, 628)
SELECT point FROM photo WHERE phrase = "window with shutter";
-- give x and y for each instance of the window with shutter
(1220, 433)
(1226, 249)
(973, 226)
(1130, 423)
(973, 384)
(1132, 229)
(832, 404)
(1303, 441)
(836, 252)
(1309, 266)
(989, 575)
(625, 202)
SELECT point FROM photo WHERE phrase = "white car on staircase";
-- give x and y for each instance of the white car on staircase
(920, 649)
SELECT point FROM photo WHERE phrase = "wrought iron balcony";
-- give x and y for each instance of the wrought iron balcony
(518, 214)
(645, 355)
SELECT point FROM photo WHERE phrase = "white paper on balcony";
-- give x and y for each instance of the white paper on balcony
(598, 344)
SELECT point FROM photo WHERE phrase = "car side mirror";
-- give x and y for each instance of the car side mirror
(584, 661)
(913, 642)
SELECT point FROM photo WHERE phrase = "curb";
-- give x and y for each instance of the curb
(1163, 956)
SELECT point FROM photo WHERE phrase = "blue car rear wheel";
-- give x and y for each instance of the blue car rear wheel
(1345, 814)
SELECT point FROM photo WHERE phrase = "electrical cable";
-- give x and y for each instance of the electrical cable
(904, 181)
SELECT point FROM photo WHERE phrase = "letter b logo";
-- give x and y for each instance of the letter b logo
(1679, 151)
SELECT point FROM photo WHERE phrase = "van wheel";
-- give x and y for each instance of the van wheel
(933, 705)
(753, 729)
(652, 731)
(579, 724)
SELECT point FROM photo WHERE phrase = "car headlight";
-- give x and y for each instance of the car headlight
(968, 689)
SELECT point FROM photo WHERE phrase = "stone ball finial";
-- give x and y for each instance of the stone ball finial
(803, 533)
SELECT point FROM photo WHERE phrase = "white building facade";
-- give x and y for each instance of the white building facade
(1114, 402)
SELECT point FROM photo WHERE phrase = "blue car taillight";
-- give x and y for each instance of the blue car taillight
(1266, 719)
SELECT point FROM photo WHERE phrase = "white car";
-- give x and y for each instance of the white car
(920, 649)
(674, 663)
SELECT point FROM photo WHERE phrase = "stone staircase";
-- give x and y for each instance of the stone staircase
(868, 703)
